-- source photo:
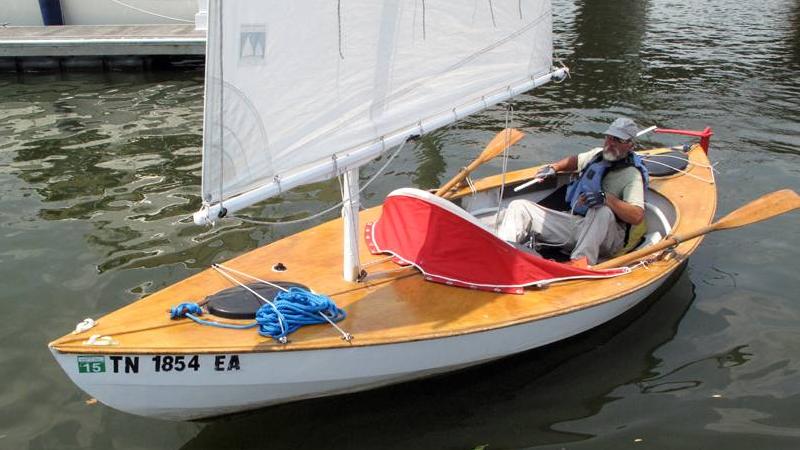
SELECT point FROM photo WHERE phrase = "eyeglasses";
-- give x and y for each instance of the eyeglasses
(618, 140)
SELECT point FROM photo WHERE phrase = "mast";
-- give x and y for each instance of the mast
(351, 263)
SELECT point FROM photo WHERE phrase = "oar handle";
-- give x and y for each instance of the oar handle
(646, 130)
(536, 180)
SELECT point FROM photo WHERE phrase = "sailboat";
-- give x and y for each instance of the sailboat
(298, 92)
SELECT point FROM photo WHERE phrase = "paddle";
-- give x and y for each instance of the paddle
(504, 139)
(762, 208)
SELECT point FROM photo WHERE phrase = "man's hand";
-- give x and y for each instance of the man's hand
(594, 199)
(545, 173)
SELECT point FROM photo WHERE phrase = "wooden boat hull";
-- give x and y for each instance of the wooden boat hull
(405, 328)
(264, 379)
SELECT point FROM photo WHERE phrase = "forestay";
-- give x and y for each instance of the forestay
(296, 91)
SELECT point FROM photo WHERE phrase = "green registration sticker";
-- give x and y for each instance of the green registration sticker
(91, 364)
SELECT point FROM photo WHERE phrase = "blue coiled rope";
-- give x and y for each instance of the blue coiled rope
(292, 309)
(295, 308)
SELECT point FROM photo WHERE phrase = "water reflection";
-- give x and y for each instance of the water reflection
(607, 68)
(794, 36)
(514, 403)
(430, 162)
(119, 151)
(666, 383)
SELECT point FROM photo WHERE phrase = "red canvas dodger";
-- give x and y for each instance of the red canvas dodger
(448, 245)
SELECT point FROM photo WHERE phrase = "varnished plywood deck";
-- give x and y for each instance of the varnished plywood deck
(399, 308)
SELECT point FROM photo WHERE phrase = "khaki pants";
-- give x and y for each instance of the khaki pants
(597, 234)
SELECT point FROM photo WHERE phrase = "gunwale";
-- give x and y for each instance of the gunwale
(390, 310)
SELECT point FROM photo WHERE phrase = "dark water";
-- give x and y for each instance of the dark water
(99, 172)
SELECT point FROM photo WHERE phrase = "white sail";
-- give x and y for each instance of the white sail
(295, 90)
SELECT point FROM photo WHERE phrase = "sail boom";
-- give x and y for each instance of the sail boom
(357, 157)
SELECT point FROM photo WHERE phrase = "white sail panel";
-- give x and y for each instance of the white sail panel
(289, 84)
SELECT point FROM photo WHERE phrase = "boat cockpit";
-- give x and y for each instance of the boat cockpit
(660, 214)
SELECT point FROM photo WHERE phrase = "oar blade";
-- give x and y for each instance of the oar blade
(505, 138)
(760, 209)
(502, 140)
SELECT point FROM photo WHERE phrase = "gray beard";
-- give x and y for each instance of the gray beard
(608, 156)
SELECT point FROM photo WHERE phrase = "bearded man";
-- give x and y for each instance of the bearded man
(606, 199)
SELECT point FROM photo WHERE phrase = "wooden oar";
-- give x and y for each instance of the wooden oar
(762, 208)
(504, 139)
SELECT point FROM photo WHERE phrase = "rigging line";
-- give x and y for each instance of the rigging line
(220, 267)
(345, 335)
(491, 10)
(341, 187)
(377, 261)
(150, 12)
(713, 174)
(278, 314)
(332, 208)
(473, 189)
(664, 155)
(117, 332)
(519, 5)
(391, 271)
(685, 172)
(509, 115)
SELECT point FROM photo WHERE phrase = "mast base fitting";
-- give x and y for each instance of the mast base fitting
(361, 276)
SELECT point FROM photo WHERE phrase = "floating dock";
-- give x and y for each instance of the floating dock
(96, 47)
(101, 40)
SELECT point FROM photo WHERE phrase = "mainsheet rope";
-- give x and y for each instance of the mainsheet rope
(682, 171)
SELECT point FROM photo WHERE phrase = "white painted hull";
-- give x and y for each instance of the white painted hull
(278, 377)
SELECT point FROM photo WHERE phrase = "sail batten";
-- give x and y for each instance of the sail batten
(295, 84)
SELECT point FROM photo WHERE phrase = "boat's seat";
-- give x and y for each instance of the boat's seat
(658, 226)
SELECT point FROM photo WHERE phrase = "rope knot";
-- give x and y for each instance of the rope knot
(183, 309)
